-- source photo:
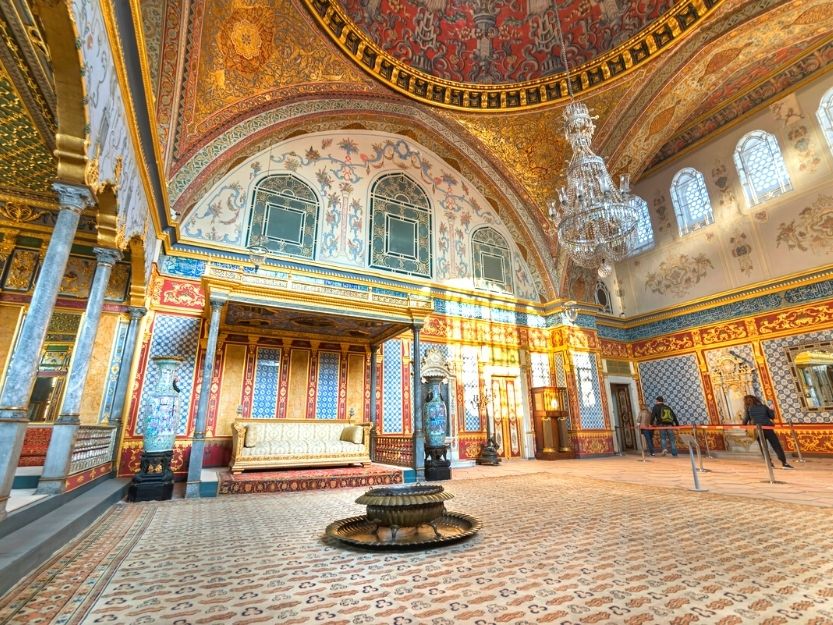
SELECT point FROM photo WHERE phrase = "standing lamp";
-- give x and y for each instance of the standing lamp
(488, 454)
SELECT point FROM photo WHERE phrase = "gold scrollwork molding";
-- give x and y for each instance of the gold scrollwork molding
(18, 212)
(8, 242)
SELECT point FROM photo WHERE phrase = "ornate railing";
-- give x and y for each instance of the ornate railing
(397, 450)
(93, 447)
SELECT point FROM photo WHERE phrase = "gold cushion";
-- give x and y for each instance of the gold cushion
(352, 434)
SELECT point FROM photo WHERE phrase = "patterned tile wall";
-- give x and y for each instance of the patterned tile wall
(113, 372)
(677, 379)
(265, 391)
(786, 387)
(540, 364)
(172, 336)
(392, 387)
(326, 406)
(590, 396)
(471, 388)
(560, 374)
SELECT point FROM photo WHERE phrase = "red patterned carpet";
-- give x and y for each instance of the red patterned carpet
(290, 480)
(552, 550)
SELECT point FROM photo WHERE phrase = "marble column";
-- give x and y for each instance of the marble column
(419, 439)
(374, 426)
(192, 488)
(120, 396)
(59, 453)
(23, 366)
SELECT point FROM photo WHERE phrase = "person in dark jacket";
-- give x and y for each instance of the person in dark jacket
(758, 414)
(662, 415)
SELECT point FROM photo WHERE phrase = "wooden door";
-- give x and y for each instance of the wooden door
(507, 416)
(624, 410)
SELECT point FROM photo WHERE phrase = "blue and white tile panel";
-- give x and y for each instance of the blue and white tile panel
(540, 366)
(471, 388)
(677, 380)
(172, 336)
(326, 405)
(392, 387)
(560, 374)
(113, 372)
(786, 387)
(589, 393)
(266, 384)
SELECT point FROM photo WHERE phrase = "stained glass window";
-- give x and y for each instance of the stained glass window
(492, 260)
(761, 168)
(825, 116)
(644, 236)
(400, 236)
(284, 216)
(691, 200)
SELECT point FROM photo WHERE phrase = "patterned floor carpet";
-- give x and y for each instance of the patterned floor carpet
(552, 550)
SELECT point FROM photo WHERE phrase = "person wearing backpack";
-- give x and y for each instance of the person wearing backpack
(663, 416)
(759, 414)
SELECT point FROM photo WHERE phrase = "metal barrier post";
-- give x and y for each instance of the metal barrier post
(640, 444)
(694, 471)
(697, 445)
(795, 440)
(706, 441)
(762, 441)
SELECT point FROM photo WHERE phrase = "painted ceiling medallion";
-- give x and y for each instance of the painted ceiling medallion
(245, 38)
(500, 54)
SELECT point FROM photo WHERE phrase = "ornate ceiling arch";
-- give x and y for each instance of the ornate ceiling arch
(444, 138)
(730, 46)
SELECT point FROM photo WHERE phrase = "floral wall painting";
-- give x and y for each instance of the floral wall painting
(342, 168)
(724, 181)
(802, 140)
(678, 275)
(741, 250)
(660, 205)
(787, 110)
(812, 230)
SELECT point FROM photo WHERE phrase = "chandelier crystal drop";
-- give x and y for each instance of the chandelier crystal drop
(595, 221)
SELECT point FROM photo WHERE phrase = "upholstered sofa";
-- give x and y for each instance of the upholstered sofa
(277, 443)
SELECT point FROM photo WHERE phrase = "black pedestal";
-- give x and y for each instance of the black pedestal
(488, 455)
(437, 467)
(155, 480)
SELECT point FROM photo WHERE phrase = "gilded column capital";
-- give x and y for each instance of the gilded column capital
(106, 256)
(136, 312)
(217, 301)
(73, 197)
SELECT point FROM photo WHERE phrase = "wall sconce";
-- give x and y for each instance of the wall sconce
(571, 310)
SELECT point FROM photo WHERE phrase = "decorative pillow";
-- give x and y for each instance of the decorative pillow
(352, 434)
(254, 435)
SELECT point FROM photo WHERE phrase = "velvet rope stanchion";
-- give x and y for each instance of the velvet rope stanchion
(795, 441)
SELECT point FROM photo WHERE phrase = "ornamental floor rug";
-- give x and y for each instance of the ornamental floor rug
(552, 550)
(292, 480)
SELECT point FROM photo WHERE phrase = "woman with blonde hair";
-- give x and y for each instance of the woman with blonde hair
(759, 414)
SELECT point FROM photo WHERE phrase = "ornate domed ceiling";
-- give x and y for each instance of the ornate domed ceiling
(499, 41)
(502, 55)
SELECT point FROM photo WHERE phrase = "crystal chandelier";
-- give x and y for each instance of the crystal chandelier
(595, 221)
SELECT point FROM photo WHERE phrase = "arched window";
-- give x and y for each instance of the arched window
(643, 238)
(691, 200)
(400, 230)
(284, 216)
(492, 260)
(760, 166)
(602, 295)
(825, 116)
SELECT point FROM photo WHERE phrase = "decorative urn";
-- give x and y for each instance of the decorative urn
(161, 422)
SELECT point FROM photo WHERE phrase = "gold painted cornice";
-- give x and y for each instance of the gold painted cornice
(513, 97)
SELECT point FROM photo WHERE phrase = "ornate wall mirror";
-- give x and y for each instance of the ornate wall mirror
(813, 368)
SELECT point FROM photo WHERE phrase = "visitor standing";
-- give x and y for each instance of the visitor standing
(663, 416)
(644, 427)
(759, 414)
